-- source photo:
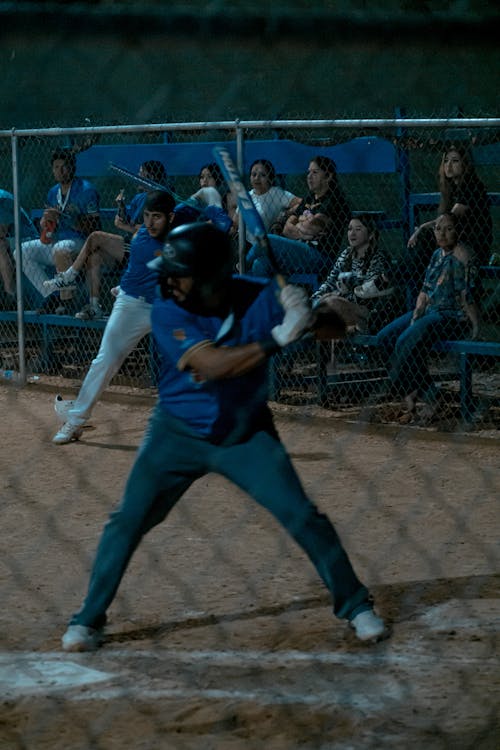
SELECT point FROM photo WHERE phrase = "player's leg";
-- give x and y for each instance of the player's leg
(262, 468)
(129, 321)
(169, 460)
(64, 252)
(105, 249)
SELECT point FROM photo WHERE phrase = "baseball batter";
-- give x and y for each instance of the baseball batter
(130, 317)
(215, 333)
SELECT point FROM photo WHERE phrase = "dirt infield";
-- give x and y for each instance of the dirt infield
(222, 637)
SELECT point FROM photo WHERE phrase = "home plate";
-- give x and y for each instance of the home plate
(464, 614)
(23, 674)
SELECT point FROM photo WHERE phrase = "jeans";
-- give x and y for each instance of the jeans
(407, 345)
(129, 321)
(169, 460)
(292, 256)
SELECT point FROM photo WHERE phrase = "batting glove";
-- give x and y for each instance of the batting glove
(292, 296)
(296, 322)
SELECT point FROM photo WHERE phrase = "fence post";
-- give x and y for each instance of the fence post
(19, 262)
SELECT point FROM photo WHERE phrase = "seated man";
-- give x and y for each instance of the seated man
(28, 230)
(72, 213)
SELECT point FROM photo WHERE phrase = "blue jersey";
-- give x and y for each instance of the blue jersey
(135, 208)
(215, 408)
(28, 229)
(82, 200)
(138, 280)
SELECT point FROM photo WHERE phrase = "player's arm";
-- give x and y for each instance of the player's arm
(211, 362)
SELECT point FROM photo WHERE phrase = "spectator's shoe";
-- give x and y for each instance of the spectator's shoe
(81, 638)
(368, 626)
(91, 312)
(60, 281)
(68, 433)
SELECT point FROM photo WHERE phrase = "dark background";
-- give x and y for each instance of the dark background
(130, 62)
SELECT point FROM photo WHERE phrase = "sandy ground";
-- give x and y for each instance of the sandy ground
(221, 636)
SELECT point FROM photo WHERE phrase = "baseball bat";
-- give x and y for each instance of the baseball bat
(210, 213)
(246, 206)
(333, 321)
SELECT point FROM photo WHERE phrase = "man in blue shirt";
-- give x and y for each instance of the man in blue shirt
(215, 333)
(71, 214)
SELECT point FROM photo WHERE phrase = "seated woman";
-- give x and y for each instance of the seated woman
(269, 199)
(463, 194)
(444, 309)
(362, 271)
(310, 233)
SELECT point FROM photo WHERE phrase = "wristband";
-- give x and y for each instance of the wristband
(269, 346)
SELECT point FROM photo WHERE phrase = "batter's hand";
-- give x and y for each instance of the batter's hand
(292, 296)
(298, 320)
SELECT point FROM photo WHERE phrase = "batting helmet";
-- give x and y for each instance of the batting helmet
(199, 250)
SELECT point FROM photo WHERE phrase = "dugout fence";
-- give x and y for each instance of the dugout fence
(386, 168)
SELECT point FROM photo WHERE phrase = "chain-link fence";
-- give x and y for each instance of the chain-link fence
(386, 183)
(221, 635)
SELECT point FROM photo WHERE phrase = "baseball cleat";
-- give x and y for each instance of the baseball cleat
(368, 626)
(67, 434)
(62, 407)
(81, 638)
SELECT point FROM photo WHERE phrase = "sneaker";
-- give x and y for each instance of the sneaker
(89, 312)
(67, 434)
(60, 281)
(81, 638)
(368, 626)
(62, 407)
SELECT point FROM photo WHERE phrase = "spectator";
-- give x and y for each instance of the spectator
(269, 199)
(72, 213)
(28, 231)
(362, 270)
(310, 234)
(129, 218)
(443, 309)
(104, 248)
(465, 196)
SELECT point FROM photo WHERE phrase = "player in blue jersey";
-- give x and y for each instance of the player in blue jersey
(215, 333)
(130, 317)
(72, 212)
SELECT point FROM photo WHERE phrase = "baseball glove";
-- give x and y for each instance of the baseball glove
(336, 317)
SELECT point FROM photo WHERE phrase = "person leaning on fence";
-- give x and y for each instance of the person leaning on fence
(269, 199)
(130, 318)
(362, 271)
(462, 193)
(444, 310)
(28, 231)
(215, 333)
(72, 213)
(308, 238)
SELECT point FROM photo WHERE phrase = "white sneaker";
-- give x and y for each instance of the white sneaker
(67, 433)
(62, 407)
(61, 280)
(81, 638)
(368, 626)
